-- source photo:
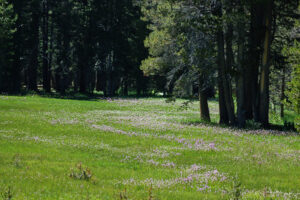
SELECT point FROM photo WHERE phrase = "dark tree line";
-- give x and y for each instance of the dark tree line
(63, 45)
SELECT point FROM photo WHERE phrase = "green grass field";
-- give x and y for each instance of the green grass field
(137, 149)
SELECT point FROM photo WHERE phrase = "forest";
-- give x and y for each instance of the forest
(244, 53)
(150, 99)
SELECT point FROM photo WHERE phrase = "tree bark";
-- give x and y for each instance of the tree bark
(125, 86)
(46, 71)
(240, 79)
(265, 69)
(254, 54)
(17, 43)
(222, 107)
(82, 79)
(34, 41)
(98, 80)
(204, 109)
(51, 50)
(110, 78)
(282, 98)
(223, 73)
(229, 52)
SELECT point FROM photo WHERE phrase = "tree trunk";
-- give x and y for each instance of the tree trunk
(139, 84)
(17, 39)
(98, 80)
(241, 111)
(110, 78)
(265, 69)
(57, 80)
(240, 79)
(66, 64)
(282, 92)
(51, 50)
(34, 41)
(254, 54)
(46, 71)
(222, 107)
(229, 53)
(204, 109)
(125, 86)
(82, 79)
(223, 73)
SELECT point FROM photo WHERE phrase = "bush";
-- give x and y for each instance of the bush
(81, 173)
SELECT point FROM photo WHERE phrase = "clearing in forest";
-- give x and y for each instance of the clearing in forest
(137, 149)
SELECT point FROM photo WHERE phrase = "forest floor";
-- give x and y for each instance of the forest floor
(138, 149)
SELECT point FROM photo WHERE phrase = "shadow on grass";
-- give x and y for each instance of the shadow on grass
(287, 127)
(275, 129)
(81, 96)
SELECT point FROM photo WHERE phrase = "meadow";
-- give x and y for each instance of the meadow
(126, 148)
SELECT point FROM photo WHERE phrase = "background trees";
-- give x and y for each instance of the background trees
(72, 46)
(241, 49)
(7, 29)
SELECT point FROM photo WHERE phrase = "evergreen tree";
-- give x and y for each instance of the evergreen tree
(7, 31)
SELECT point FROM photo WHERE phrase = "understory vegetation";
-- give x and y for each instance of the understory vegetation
(126, 148)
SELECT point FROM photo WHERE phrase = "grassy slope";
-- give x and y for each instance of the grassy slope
(136, 145)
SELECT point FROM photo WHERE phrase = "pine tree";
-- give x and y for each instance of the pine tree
(7, 31)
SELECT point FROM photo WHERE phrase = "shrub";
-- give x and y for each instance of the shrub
(81, 173)
(7, 194)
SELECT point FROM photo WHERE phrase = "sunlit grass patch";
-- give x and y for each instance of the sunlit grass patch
(137, 149)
